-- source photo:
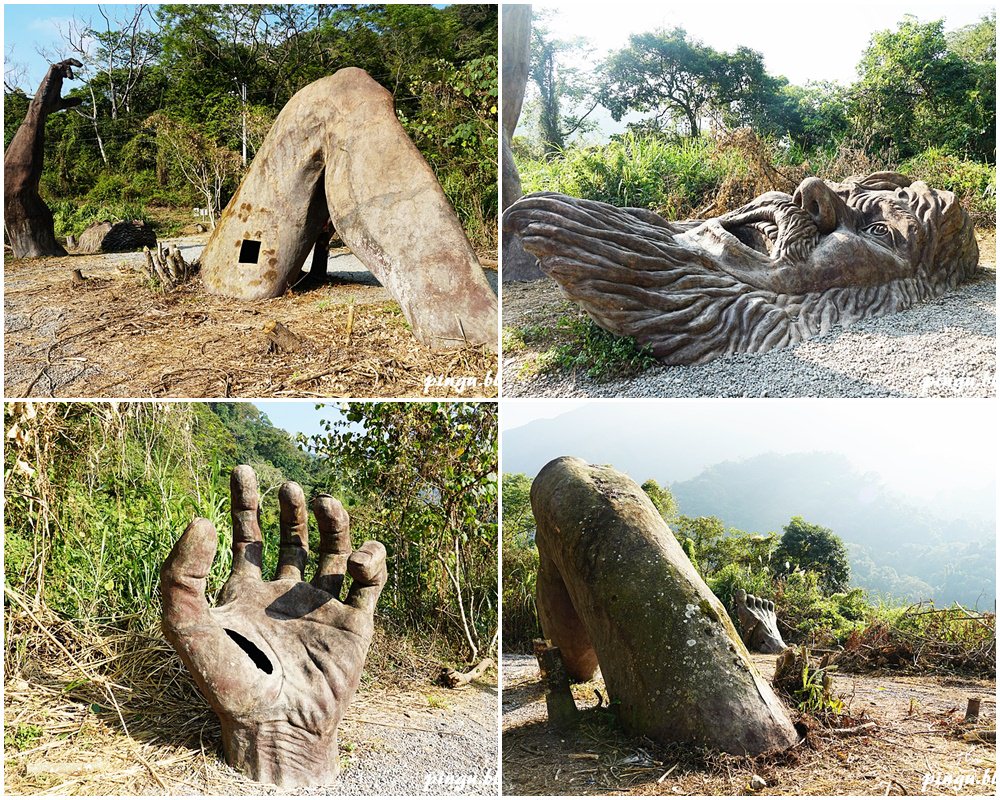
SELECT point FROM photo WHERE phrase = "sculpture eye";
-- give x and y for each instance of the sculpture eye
(878, 229)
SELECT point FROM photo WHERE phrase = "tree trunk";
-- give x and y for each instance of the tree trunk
(28, 222)
(516, 263)
(615, 588)
(559, 702)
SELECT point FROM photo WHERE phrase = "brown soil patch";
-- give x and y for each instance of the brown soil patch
(918, 733)
(116, 335)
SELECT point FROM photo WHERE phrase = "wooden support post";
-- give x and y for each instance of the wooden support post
(559, 702)
(972, 710)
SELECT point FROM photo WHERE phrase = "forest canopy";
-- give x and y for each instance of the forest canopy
(168, 86)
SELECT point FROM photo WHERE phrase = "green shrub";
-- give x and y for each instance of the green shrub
(974, 182)
(731, 577)
(75, 216)
(603, 356)
(674, 177)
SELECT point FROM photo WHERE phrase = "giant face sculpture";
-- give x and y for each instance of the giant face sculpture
(779, 270)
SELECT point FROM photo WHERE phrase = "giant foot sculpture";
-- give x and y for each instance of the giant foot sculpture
(779, 270)
(337, 152)
(758, 623)
(616, 590)
(279, 661)
(27, 220)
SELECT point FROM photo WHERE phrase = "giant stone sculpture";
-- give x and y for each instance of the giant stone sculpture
(778, 271)
(27, 220)
(616, 590)
(758, 623)
(337, 153)
(279, 661)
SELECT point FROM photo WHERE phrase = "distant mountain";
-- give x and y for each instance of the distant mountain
(895, 547)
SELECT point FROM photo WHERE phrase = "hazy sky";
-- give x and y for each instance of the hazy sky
(919, 447)
(802, 41)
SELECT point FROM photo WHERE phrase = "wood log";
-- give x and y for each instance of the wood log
(559, 701)
(281, 339)
(76, 277)
(452, 678)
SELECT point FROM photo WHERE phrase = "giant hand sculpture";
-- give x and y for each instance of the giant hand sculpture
(279, 661)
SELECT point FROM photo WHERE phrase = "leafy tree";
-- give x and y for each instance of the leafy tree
(559, 85)
(662, 499)
(429, 472)
(517, 517)
(914, 92)
(681, 79)
(808, 547)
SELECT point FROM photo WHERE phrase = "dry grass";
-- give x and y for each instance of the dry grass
(116, 335)
(105, 711)
(919, 731)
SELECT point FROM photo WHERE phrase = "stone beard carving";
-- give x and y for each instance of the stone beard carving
(615, 589)
(338, 153)
(758, 623)
(278, 661)
(780, 270)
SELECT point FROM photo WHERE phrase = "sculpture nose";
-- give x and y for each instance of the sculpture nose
(821, 203)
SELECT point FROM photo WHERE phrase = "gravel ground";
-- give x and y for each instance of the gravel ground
(944, 348)
(410, 746)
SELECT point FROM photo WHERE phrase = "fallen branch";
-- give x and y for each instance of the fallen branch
(453, 678)
(858, 729)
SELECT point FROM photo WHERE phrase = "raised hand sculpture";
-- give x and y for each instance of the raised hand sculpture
(279, 661)
(28, 221)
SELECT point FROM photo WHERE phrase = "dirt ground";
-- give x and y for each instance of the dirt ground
(118, 715)
(917, 741)
(115, 335)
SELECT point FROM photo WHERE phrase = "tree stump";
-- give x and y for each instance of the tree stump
(559, 702)
(616, 589)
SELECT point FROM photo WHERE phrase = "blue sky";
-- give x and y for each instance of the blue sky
(298, 416)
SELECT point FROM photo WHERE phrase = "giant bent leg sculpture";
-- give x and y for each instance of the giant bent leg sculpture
(616, 590)
(279, 661)
(337, 152)
(27, 220)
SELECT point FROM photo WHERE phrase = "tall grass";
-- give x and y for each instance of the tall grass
(672, 176)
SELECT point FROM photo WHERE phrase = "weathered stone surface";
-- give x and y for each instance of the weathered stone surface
(337, 152)
(27, 221)
(279, 661)
(615, 589)
(117, 237)
(758, 623)
(779, 270)
(517, 264)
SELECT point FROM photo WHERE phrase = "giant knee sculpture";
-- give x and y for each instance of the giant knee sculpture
(337, 153)
(279, 661)
(616, 590)
(778, 271)
(758, 623)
